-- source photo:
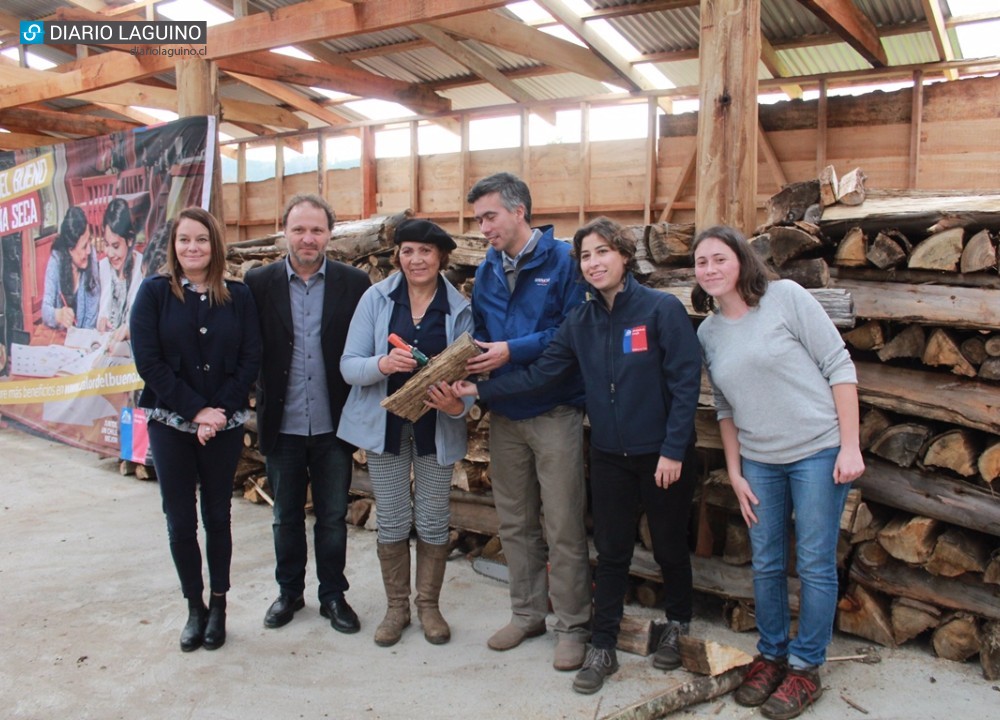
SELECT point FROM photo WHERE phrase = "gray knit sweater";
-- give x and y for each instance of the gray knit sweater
(771, 372)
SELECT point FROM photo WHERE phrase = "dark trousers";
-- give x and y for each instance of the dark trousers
(183, 466)
(295, 462)
(618, 483)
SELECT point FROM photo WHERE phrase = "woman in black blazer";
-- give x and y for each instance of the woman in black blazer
(196, 342)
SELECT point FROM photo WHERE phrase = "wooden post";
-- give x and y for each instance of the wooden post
(369, 173)
(414, 167)
(279, 182)
(525, 146)
(321, 164)
(727, 121)
(650, 191)
(463, 173)
(821, 134)
(197, 94)
(584, 162)
(916, 122)
(241, 189)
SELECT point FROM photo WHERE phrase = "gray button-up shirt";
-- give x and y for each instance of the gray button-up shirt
(307, 403)
(512, 265)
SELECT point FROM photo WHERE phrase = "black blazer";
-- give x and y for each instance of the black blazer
(192, 355)
(343, 288)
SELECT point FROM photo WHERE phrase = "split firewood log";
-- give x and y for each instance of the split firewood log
(974, 350)
(449, 366)
(991, 575)
(992, 345)
(980, 253)
(649, 593)
(958, 551)
(912, 617)
(809, 273)
(908, 343)
(739, 615)
(851, 188)
(852, 250)
(873, 424)
(828, 186)
(910, 539)
(989, 463)
(638, 635)
(869, 336)
(790, 203)
(885, 252)
(957, 449)
(942, 349)
(901, 444)
(788, 243)
(359, 510)
(990, 369)
(865, 613)
(706, 657)
(866, 524)
(737, 548)
(956, 638)
(941, 251)
(670, 243)
(989, 650)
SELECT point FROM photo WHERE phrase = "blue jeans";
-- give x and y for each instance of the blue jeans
(807, 487)
(296, 462)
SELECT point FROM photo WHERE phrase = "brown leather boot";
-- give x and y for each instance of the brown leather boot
(395, 561)
(431, 560)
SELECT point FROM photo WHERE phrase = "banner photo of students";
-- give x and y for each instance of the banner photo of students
(81, 224)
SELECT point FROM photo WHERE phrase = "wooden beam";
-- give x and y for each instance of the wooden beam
(771, 157)
(685, 177)
(585, 164)
(970, 308)
(821, 127)
(369, 173)
(294, 98)
(649, 196)
(939, 33)
(513, 36)
(777, 67)
(845, 19)
(476, 63)
(198, 83)
(916, 125)
(727, 123)
(415, 167)
(38, 118)
(347, 78)
(22, 141)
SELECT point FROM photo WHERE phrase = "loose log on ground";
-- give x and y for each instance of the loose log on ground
(902, 443)
(896, 578)
(865, 614)
(851, 188)
(788, 243)
(852, 250)
(956, 638)
(910, 342)
(681, 696)
(958, 551)
(359, 510)
(145, 472)
(639, 636)
(957, 450)
(988, 463)
(706, 657)
(409, 401)
(956, 502)
(910, 539)
(809, 273)
(980, 253)
(912, 617)
(943, 350)
(869, 336)
(739, 615)
(941, 251)
(827, 186)
(989, 650)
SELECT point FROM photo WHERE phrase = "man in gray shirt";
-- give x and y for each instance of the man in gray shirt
(305, 305)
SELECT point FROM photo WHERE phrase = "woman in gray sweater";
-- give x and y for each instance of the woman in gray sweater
(786, 398)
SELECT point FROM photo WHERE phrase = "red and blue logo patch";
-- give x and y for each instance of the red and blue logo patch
(634, 340)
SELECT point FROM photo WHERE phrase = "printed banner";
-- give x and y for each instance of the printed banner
(81, 225)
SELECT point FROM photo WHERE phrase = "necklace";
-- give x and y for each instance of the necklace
(417, 318)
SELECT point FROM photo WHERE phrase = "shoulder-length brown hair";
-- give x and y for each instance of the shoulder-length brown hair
(218, 293)
(613, 234)
(754, 275)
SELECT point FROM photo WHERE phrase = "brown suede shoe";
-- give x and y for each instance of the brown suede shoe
(799, 690)
(570, 651)
(510, 636)
(760, 681)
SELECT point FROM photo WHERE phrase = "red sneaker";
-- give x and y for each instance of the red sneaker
(799, 690)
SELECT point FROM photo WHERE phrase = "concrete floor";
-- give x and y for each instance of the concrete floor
(91, 614)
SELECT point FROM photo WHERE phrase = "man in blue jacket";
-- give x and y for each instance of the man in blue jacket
(523, 291)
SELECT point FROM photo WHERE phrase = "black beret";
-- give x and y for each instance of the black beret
(423, 231)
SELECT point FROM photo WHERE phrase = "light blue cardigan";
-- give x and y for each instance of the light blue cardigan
(362, 422)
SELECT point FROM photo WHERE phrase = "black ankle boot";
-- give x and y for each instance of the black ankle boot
(215, 630)
(193, 634)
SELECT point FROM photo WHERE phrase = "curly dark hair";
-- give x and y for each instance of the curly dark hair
(613, 233)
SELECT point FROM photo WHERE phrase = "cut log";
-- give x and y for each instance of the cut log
(409, 401)
(670, 243)
(956, 638)
(639, 636)
(958, 551)
(943, 350)
(737, 549)
(884, 252)
(866, 524)
(739, 615)
(852, 250)
(956, 450)
(992, 345)
(357, 239)
(851, 505)
(649, 594)
(992, 573)
(974, 308)
(989, 650)
(645, 536)
(941, 251)
(869, 336)
(989, 463)
(974, 350)
(836, 303)
(359, 510)
(914, 212)
(912, 617)
(126, 468)
(910, 539)
(924, 394)
(990, 369)
(980, 253)
(761, 245)
(827, 186)
(706, 657)
(145, 472)
(956, 502)
(909, 343)
(681, 695)
(851, 188)
(873, 424)
(791, 202)
(788, 243)
(809, 273)
(865, 614)
(901, 444)
(896, 578)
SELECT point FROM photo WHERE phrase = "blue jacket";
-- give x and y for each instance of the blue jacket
(191, 354)
(362, 422)
(641, 366)
(547, 288)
